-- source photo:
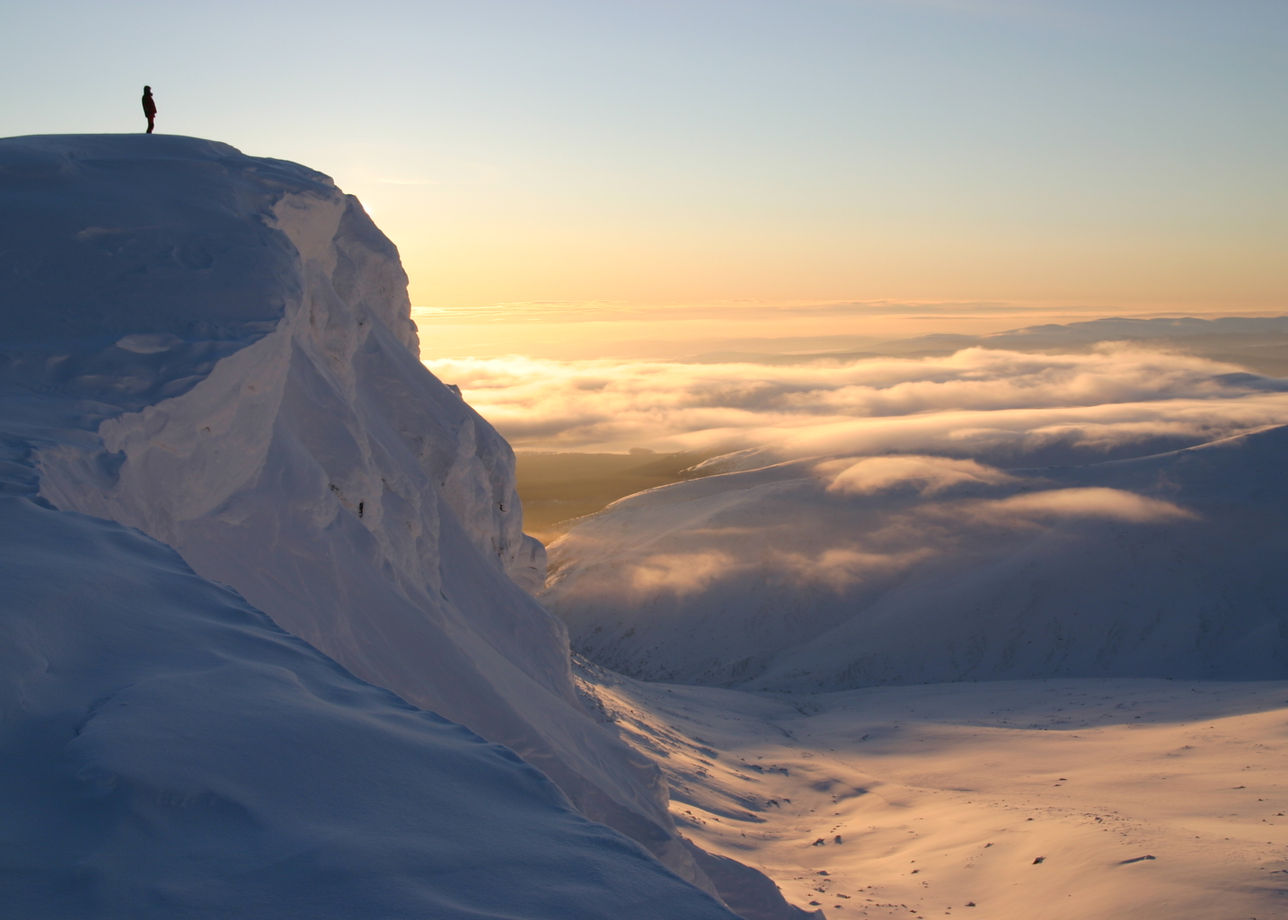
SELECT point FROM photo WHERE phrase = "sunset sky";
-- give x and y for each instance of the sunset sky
(1126, 154)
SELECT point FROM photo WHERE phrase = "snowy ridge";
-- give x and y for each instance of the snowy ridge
(216, 349)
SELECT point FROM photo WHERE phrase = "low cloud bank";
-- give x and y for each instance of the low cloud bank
(998, 405)
(927, 475)
(987, 513)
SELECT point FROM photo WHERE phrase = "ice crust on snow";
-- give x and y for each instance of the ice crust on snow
(216, 351)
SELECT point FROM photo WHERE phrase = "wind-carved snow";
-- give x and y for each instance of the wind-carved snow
(216, 350)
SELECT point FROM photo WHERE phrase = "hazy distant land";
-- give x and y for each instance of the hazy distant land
(559, 487)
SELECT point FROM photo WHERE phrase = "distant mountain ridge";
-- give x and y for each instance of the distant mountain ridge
(849, 572)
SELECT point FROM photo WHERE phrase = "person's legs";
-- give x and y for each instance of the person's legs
(151, 123)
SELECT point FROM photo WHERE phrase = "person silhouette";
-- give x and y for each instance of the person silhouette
(149, 107)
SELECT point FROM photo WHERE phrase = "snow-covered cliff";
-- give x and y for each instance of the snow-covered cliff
(216, 350)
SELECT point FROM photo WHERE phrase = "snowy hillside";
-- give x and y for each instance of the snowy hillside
(216, 350)
(851, 571)
(167, 752)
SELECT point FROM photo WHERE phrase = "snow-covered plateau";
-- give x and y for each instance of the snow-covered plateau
(255, 559)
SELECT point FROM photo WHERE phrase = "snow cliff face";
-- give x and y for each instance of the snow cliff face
(216, 350)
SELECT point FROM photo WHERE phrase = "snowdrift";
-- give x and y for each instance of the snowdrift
(216, 350)
(843, 572)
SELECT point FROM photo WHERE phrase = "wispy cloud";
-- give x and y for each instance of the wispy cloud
(926, 475)
(1094, 502)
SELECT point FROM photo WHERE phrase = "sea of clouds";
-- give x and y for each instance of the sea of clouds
(1034, 398)
(960, 489)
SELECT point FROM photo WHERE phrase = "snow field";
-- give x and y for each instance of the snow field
(1061, 799)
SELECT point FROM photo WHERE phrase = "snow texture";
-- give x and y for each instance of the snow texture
(167, 752)
(214, 352)
(1016, 799)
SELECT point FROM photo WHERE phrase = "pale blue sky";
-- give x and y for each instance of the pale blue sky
(1124, 152)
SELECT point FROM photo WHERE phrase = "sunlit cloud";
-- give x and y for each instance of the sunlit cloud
(678, 574)
(927, 475)
(854, 494)
(1108, 504)
(840, 568)
(992, 405)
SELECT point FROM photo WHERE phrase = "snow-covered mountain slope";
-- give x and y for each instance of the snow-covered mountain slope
(851, 571)
(166, 751)
(1011, 800)
(216, 350)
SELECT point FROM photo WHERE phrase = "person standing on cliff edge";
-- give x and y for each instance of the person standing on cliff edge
(149, 107)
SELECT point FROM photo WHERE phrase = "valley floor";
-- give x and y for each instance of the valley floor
(1016, 800)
